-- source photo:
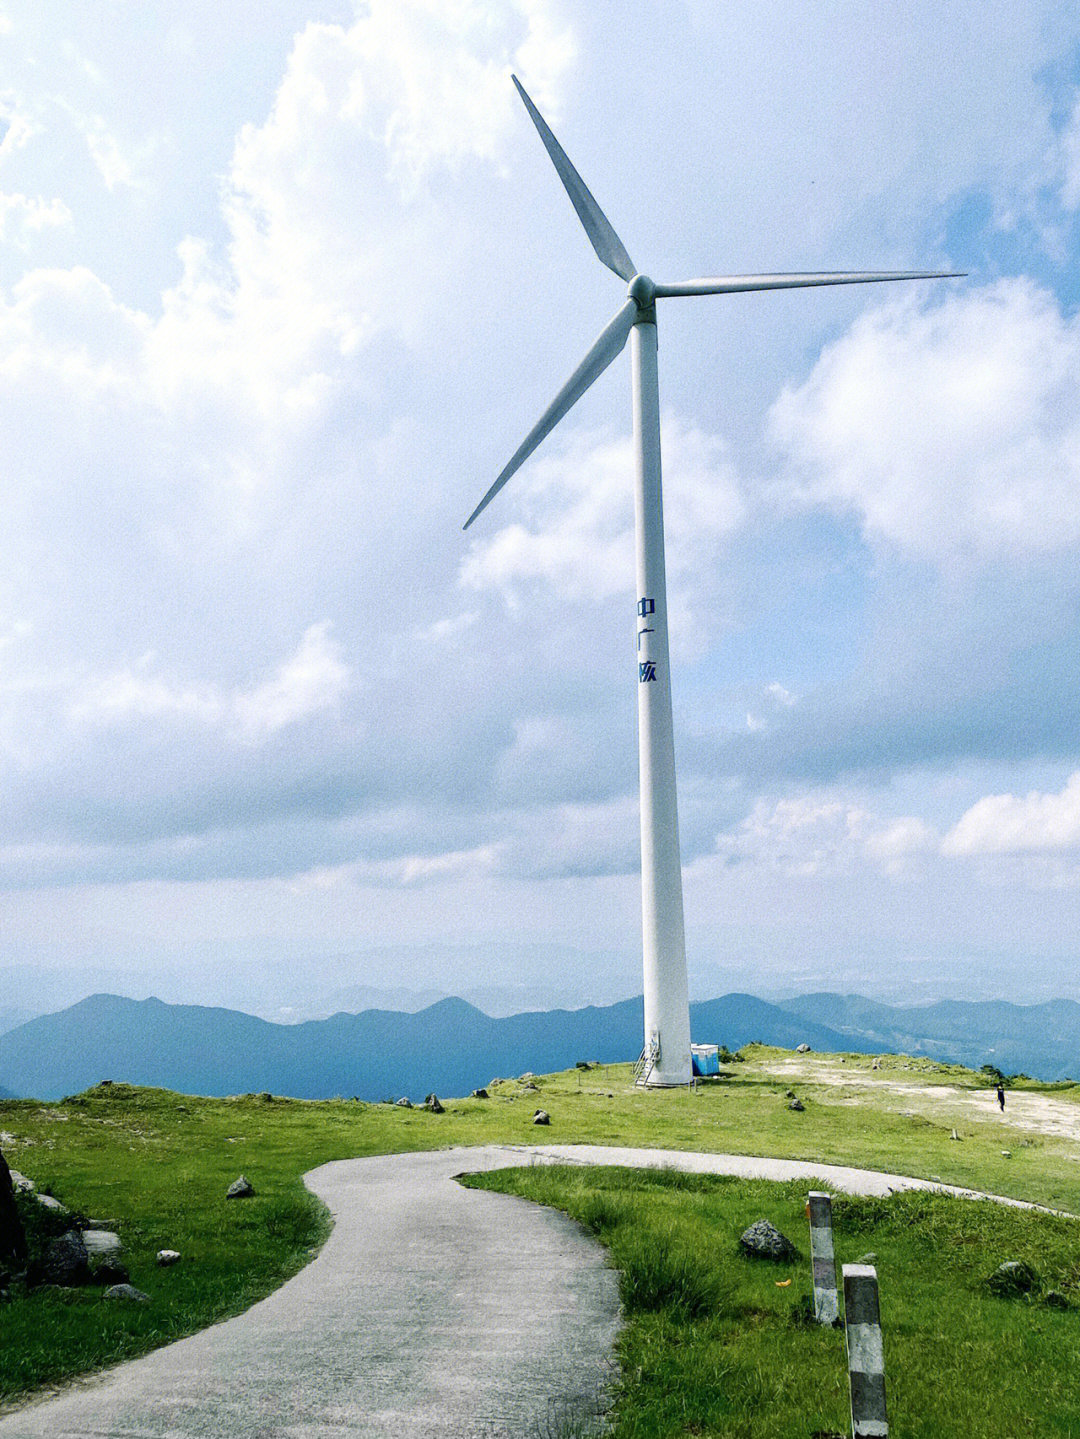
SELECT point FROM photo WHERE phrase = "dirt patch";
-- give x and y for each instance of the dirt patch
(945, 1103)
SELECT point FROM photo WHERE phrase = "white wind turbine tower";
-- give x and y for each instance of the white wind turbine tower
(666, 1053)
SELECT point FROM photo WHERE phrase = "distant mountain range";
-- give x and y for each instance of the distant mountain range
(452, 1047)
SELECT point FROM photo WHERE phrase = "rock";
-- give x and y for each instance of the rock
(493, 1082)
(527, 1075)
(20, 1181)
(48, 1202)
(954, 1135)
(541, 1117)
(797, 1105)
(165, 1257)
(765, 1241)
(66, 1261)
(127, 1291)
(582, 1064)
(876, 1064)
(432, 1105)
(1013, 1277)
(1006, 1154)
(802, 1049)
(404, 1102)
(240, 1189)
(12, 1235)
(480, 1094)
(1054, 1299)
(108, 1271)
(789, 1094)
(101, 1241)
(530, 1089)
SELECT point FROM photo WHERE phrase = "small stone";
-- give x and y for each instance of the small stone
(240, 1189)
(480, 1094)
(527, 1075)
(1013, 1277)
(66, 1261)
(789, 1094)
(20, 1181)
(530, 1089)
(764, 1241)
(541, 1117)
(954, 1135)
(1054, 1299)
(101, 1241)
(802, 1049)
(404, 1102)
(432, 1105)
(165, 1257)
(127, 1291)
(48, 1202)
(797, 1105)
(876, 1064)
(1006, 1154)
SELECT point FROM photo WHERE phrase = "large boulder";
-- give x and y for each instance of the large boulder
(101, 1242)
(764, 1241)
(432, 1105)
(12, 1236)
(65, 1261)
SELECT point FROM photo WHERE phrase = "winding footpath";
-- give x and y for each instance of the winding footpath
(432, 1310)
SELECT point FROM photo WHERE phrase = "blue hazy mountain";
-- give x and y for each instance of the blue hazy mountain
(1042, 1040)
(452, 1047)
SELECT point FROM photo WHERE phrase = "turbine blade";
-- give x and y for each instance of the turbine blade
(737, 284)
(597, 225)
(608, 346)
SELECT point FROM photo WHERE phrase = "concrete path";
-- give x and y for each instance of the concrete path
(432, 1310)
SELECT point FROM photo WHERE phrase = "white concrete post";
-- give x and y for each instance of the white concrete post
(826, 1299)
(865, 1351)
(667, 1008)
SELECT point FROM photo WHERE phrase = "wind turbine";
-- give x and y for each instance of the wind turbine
(666, 1055)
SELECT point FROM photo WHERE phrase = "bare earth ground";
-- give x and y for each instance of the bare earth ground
(944, 1103)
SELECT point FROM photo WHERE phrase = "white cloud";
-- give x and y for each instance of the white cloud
(312, 680)
(578, 536)
(1015, 824)
(21, 213)
(951, 430)
(817, 835)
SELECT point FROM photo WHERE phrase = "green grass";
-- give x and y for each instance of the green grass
(157, 1165)
(713, 1345)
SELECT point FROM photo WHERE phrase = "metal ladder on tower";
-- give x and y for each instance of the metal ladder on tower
(646, 1062)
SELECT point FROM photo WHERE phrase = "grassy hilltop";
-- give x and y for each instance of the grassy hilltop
(713, 1344)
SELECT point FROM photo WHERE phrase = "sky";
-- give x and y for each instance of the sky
(282, 286)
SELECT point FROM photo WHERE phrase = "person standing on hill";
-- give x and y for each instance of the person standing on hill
(1001, 1098)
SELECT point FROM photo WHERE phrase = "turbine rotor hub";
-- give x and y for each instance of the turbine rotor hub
(643, 292)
